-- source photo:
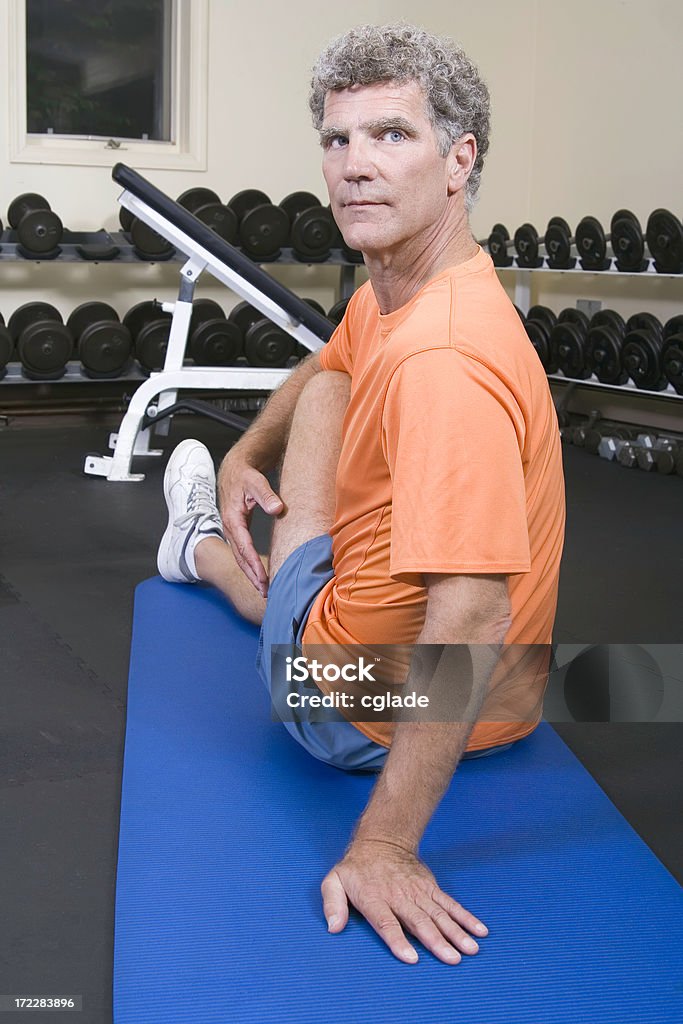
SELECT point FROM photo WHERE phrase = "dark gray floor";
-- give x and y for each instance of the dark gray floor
(73, 548)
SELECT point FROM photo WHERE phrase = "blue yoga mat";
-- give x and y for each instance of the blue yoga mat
(228, 827)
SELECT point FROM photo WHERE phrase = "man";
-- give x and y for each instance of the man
(421, 492)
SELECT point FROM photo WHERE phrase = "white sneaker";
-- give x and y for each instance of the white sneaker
(190, 492)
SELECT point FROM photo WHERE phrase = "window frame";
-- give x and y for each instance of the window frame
(188, 117)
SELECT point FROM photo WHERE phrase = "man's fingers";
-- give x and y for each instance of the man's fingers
(458, 912)
(258, 490)
(451, 931)
(335, 903)
(246, 555)
(380, 915)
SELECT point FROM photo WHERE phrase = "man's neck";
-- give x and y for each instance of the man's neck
(397, 275)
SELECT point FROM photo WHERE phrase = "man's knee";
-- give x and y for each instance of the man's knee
(326, 392)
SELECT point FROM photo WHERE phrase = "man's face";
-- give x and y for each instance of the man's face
(388, 184)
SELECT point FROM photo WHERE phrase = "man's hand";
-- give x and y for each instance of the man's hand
(240, 488)
(390, 887)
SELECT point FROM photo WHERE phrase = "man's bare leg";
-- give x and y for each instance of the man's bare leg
(307, 482)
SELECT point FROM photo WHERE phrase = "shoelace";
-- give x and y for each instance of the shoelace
(201, 505)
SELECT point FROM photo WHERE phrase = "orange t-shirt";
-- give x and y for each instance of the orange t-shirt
(450, 463)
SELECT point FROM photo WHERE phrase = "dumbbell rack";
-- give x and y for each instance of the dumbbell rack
(70, 252)
(522, 299)
(132, 439)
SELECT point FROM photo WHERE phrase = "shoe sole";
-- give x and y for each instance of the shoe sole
(163, 554)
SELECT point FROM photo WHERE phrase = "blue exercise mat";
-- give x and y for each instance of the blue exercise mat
(228, 827)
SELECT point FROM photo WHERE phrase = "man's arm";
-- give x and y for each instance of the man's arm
(241, 478)
(381, 874)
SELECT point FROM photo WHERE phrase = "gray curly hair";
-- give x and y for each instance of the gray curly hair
(457, 96)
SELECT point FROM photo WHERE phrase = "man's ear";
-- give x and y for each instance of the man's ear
(461, 158)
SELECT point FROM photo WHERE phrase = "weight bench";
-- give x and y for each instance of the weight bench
(205, 250)
(228, 827)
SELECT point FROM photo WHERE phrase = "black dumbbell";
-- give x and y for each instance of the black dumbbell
(337, 311)
(625, 235)
(538, 324)
(312, 229)
(265, 344)
(263, 227)
(150, 328)
(527, 242)
(642, 352)
(126, 219)
(591, 242)
(558, 245)
(604, 345)
(6, 347)
(38, 228)
(302, 350)
(103, 344)
(664, 234)
(672, 353)
(44, 343)
(669, 458)
(568, 344)
(149, 245)
(207, 207)
(498, 244)
(214, 340)
(581, 432)
(628, 242)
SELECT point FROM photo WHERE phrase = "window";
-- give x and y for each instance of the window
(99, 68)
(89, 77)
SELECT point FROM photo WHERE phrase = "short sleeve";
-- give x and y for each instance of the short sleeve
(453, 435)
(336, 354)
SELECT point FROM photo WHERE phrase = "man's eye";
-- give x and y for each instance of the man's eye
(394, 135)
(336, 142)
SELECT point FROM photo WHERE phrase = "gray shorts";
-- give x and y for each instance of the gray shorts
(290, 598)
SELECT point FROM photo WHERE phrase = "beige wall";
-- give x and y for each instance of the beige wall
(581, 94)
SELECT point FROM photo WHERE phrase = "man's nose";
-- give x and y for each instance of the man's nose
(358, 162)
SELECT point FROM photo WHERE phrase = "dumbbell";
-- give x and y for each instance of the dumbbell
(669, 458)
(214, 341)
(672, 353)
(652, 449)
(605, 432)
(207, 207)
(337, 311)
(38, 228)
(150, 328)
(265, 344)
(103, 344)
(262, 227)
(301, 351)
(527, 242)
(44, 343)
(640, 452)
(149, 245)
(6, 347)
(604, 345)
(581, 432)
(538, 324)
(642, 352)
(312, 230)
(664, 234)
(591, 240)
(568, 344)
(498, 244)
(628, 242)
